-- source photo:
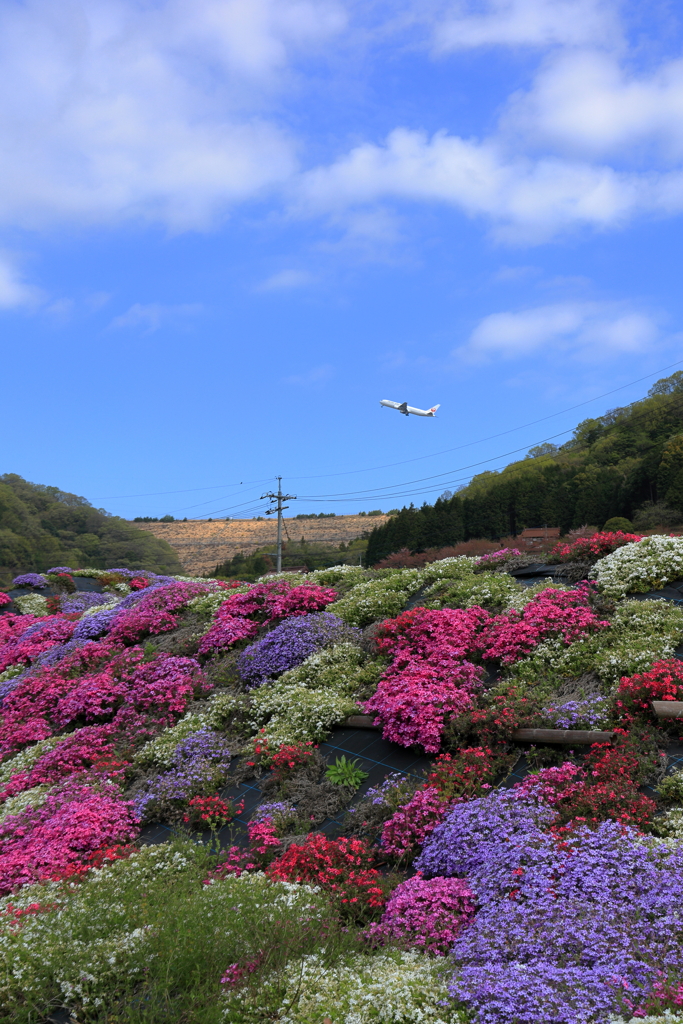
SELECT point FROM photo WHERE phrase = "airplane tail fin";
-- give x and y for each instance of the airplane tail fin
(434, 408)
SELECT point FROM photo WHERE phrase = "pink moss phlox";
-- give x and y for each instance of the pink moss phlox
(75, 821)
(226, 631)
(552, 613)
(263, 837)
(551, 785)
(4, 598)
(76, 753)
(438, 636)
(410, 825)
(427, 914)
(240, 616)
(413, 704)
(24, 637)
(52, 698)
(428, 678)
(155, 613)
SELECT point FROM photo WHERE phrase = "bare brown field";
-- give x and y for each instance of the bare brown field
(201, 546)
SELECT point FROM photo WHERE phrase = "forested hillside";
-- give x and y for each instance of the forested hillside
(628, 463)
(41, 527)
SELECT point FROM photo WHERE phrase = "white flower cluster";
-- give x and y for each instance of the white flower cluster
(493, 591)
(26, 758)
(31, 604)
(29, 798)
(647, 564)
(455, 568)
(385, 988)
(276, 896)
(665, 1017)
(159, 752)
(380, 598)
(347, 574)
(640, 633)
(11, 672)
(304, 703)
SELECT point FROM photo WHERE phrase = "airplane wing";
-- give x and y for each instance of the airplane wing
(403, 407)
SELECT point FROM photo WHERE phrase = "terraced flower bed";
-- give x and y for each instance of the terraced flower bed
(195, 826)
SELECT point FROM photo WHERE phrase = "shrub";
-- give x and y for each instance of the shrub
(210, 812)
(290, 643)
(590, 549)
(670, 789)
(342, 867)
(618, 524)
(633, 700)
(425, 913)
(649, 564)
(410, 825)
(467, 773)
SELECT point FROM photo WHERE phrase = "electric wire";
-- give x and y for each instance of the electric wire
(404, 462)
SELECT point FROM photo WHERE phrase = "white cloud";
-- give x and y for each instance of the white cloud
(13, 291)
(539, 23)
(284, 280)
(154, 315)
(114, 109)
(589, 329)
(529, 200)
(587, 103)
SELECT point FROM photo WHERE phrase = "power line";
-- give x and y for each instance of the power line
(492, 437)
(404, 462)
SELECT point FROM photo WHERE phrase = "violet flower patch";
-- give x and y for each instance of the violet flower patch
(290, 643)
(566, 931)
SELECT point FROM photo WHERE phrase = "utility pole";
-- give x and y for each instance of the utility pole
(279, 508)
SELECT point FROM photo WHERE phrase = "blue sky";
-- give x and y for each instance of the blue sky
(228, 228)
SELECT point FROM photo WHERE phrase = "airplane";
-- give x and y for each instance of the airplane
(406, 409)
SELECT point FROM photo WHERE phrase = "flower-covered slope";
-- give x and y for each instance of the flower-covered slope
(555, 901)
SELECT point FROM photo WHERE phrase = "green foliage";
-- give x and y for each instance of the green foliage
(346, 773)
(640, 632)
(43, 526)
(670, 789)
(381, 598)
(493, 591)
(144, 941)
(386, 987)
(610, 468)
(619, 523)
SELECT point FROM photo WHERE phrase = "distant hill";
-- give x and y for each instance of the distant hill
(627, 463)
(42, 527)
(201, 545)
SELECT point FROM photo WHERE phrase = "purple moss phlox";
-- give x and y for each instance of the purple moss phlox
(568, 932)
(290, 643)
